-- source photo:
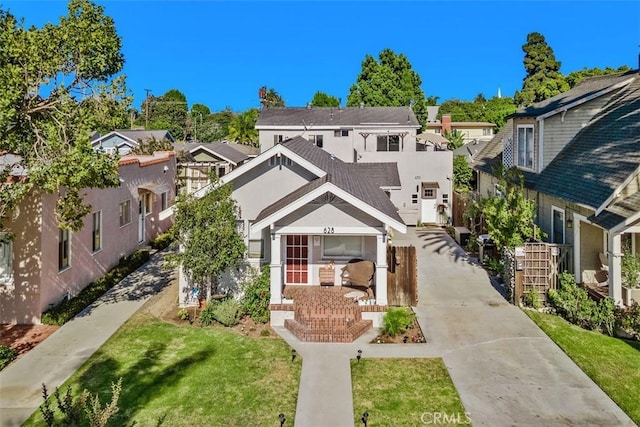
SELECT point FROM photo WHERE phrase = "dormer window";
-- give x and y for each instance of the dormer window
(525, 146)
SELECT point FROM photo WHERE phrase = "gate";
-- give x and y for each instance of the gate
(541, 267)
(402, 276)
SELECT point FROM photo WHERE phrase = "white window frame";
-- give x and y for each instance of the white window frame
(148, 203)
(343, 256)
(6, 259)
(126, 219)
(252, 253)
(387, 137)
(317, 140)
(164, 201)
(64, 247)
(555, 209)
(96, 248)
(527, 163)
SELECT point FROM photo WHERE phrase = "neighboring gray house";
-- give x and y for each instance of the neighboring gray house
(373, 135)
(302, 208)
(197, 163)
(124, 140)
(580, 155)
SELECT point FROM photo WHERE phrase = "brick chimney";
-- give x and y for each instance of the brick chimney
(446, 123)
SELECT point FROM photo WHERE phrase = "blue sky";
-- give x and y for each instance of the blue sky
(220, 53)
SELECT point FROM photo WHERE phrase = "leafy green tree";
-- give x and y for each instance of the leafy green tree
(462, 111)
(576, 77)
(242, 128)
(169, 111)
(388, 82)
(462, 174)
(206, 231)
(59, 84)
(321, 99)
(215, 127)
(509, 216)
(543, 79)
(202, 109)
(455, 138)
(271, 98)
(497, 109)
(152, 145)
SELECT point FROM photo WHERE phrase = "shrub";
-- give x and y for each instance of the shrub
(183, 314)
(628, 319)
(532, 299)
(573, 303)
(162, 241)
(207, 316)
(265, 333)
(255, 301)
(228, 312)
(396, 321)
(630, 269)
(7, 354)
(494, 265)
(69, 308)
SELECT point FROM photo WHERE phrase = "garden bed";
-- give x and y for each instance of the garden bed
(413, 335)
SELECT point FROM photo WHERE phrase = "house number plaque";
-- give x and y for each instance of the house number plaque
(328, 230)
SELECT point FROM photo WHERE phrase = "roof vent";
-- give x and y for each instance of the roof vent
(333, 156)
(361, 105)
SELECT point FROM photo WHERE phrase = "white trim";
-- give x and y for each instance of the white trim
(328, 127)
(340, 257)
(332, 188)
(337, 231)
(258, 160)
(516, 153)
(622, 227)
(617, 191)
(577, 220)
(585, 99)
(218, 155)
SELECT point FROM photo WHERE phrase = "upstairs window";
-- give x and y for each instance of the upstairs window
(525, 146)
(388, 143)
(487, 132)
(277, 139)
(316, 140)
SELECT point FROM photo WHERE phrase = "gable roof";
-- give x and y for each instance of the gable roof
(337, 117)
(135, 135)
(224, 151)
(491, 154)
(601, 157)
(586, 90)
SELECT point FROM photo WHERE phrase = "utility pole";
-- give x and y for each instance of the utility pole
(146, 108)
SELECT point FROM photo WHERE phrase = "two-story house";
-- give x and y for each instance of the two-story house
(472, 132)
(580, 155)
(40, 263)
(122, 141)
(373, 135)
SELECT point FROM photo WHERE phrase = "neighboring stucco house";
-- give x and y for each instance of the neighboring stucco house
(122, 141)
(43, 264)
(302, 208)
(580, 155)
(197, 163)
(471, 131)
(373, 135)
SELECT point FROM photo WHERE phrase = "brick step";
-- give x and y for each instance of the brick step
(327, 334)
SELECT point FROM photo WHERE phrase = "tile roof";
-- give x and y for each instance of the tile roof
(601, 156)
(337, 117)
(581, 91)
(353, 179)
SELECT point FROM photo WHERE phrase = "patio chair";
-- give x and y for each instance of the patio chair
(604, 262)
(358, 273)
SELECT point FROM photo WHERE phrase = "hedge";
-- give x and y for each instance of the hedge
(68, 309)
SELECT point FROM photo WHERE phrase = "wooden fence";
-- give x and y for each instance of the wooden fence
(402, 276)
(460, 204)
(540, 268)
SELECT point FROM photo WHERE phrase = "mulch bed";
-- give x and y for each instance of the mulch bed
(24, 337)
(413, 335)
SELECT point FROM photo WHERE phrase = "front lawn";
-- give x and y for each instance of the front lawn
(612, 363)
(182, 375)
(405, 392)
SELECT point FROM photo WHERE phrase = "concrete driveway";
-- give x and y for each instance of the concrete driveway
(507, 371)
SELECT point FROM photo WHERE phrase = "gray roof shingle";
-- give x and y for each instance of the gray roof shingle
(355, 180)
(582, 90)
(337, 117)
(227, 151)
(601, 156)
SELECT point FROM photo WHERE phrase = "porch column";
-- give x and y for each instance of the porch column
(276, 270)
(615, 264)
(381, 270)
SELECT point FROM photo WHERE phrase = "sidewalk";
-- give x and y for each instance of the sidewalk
(54, 360)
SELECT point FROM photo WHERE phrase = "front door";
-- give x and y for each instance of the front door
(297, 260)
(141, 230)
(428, 207)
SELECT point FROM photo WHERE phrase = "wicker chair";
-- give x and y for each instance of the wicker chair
(358, 273)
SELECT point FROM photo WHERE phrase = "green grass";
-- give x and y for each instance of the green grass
(404, 392)
(612, 363)
(190, 376)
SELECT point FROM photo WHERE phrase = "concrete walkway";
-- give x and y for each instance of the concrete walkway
(54, 360)
(506, 370)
